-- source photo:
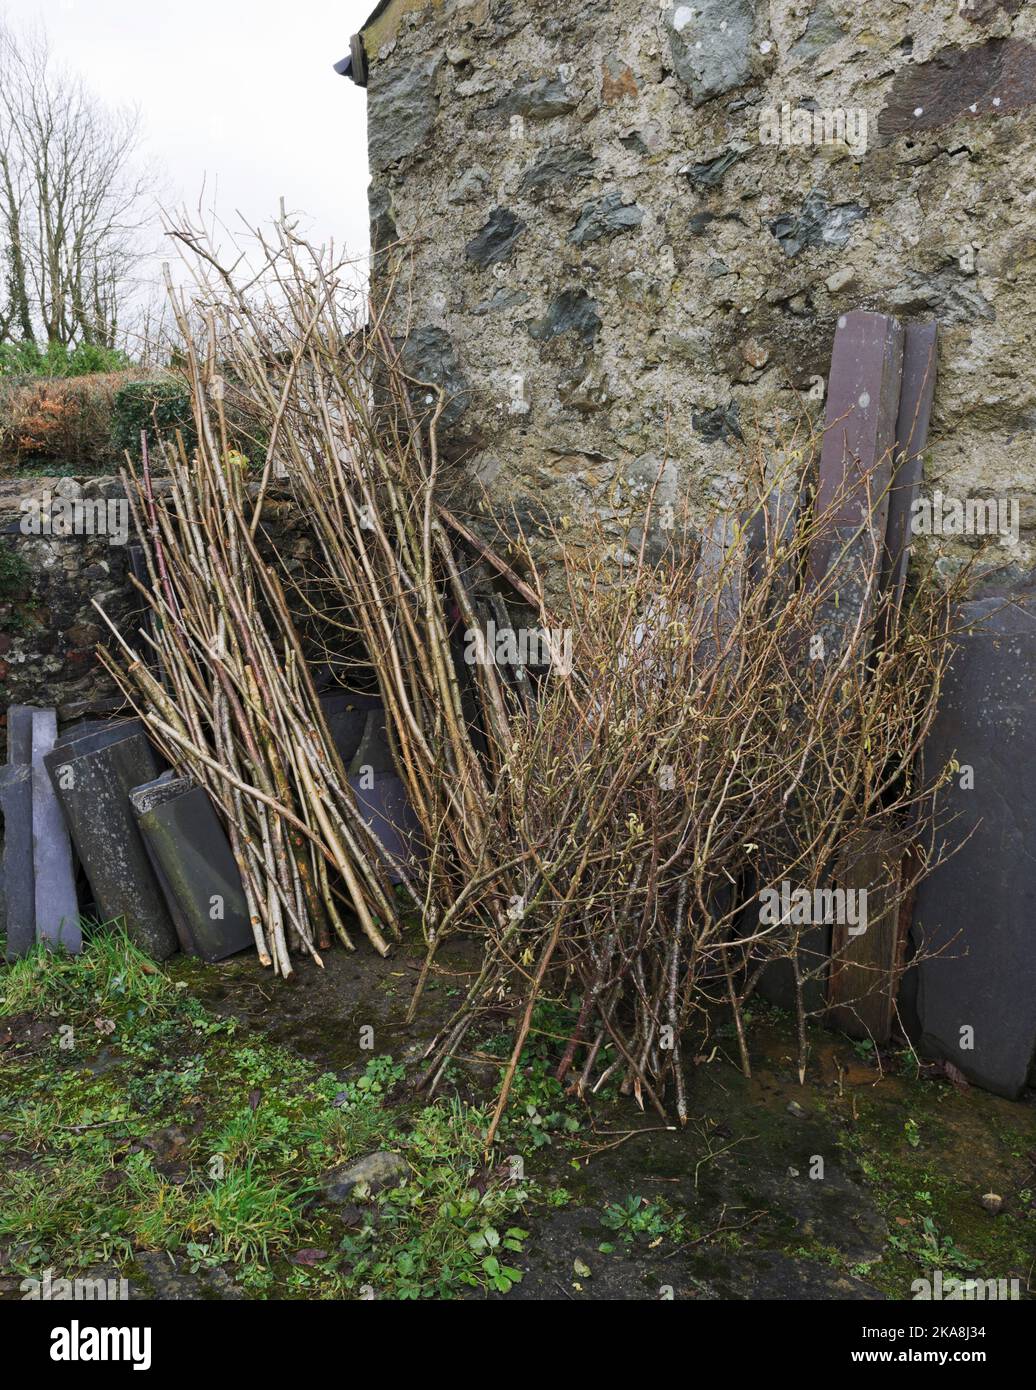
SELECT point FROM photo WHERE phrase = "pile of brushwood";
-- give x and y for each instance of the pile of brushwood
(603, 825)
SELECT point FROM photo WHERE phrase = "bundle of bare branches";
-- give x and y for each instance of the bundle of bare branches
(728, 716)
(281, 356)
(704, 749)
(223, 684)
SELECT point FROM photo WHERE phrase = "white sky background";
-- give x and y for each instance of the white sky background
(238, 96)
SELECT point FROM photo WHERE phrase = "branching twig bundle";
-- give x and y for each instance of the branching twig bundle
(234, 701)
(604, 830)
(707, 755)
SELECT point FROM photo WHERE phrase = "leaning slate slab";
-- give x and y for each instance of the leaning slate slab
(141, 799)
(19, 733)
(855, 470)
(57, 908)
(98, 733)
(93, 788)
(197, 868)
(381, 795)
(19, 877)
(917, 393)
(346, 716)
(979, 907)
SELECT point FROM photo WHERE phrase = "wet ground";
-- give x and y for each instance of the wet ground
(848, 1187)
(855, 1185)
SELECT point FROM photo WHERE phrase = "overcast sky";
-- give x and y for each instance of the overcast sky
(238, 94)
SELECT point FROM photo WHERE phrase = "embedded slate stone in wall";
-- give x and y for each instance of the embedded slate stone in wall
(711, 44)
(823, 29)
(402, 112)
(996, 79)
(977, 999)
(603, 217)
(557, 166)
(539, 99)
(429, 356)
(818, 224)
(573, 311)
(497, 239)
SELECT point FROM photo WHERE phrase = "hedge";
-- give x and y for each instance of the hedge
(158, 408)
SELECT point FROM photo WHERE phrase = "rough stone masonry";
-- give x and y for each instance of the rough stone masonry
(626, 229)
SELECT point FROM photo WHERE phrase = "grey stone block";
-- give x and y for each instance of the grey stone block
(401, 108)
(711, 45)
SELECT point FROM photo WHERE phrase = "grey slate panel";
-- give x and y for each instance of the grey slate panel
(856, 467)
(93, 788)
(979, 908)
(381, 795)
(57, 909)
(19, 877)
(915, 411)
(192, 854)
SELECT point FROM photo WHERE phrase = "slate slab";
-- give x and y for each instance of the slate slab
(93, 788)
(979, 908)
(97, 733)
(19, 878)
(196, 867)
(861, 989)
(346, 716)
(19, 734)
(57, 908)
(381, 796)
(141, 799)
(856, 470)
(917, 391)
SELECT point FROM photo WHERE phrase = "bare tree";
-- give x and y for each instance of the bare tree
(73, 201)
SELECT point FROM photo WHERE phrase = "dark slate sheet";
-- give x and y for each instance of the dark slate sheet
(93, 788)
(980, 906)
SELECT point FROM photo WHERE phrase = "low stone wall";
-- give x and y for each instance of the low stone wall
(49, 627)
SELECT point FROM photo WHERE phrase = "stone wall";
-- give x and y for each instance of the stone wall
(49, 628)
(617, 252)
